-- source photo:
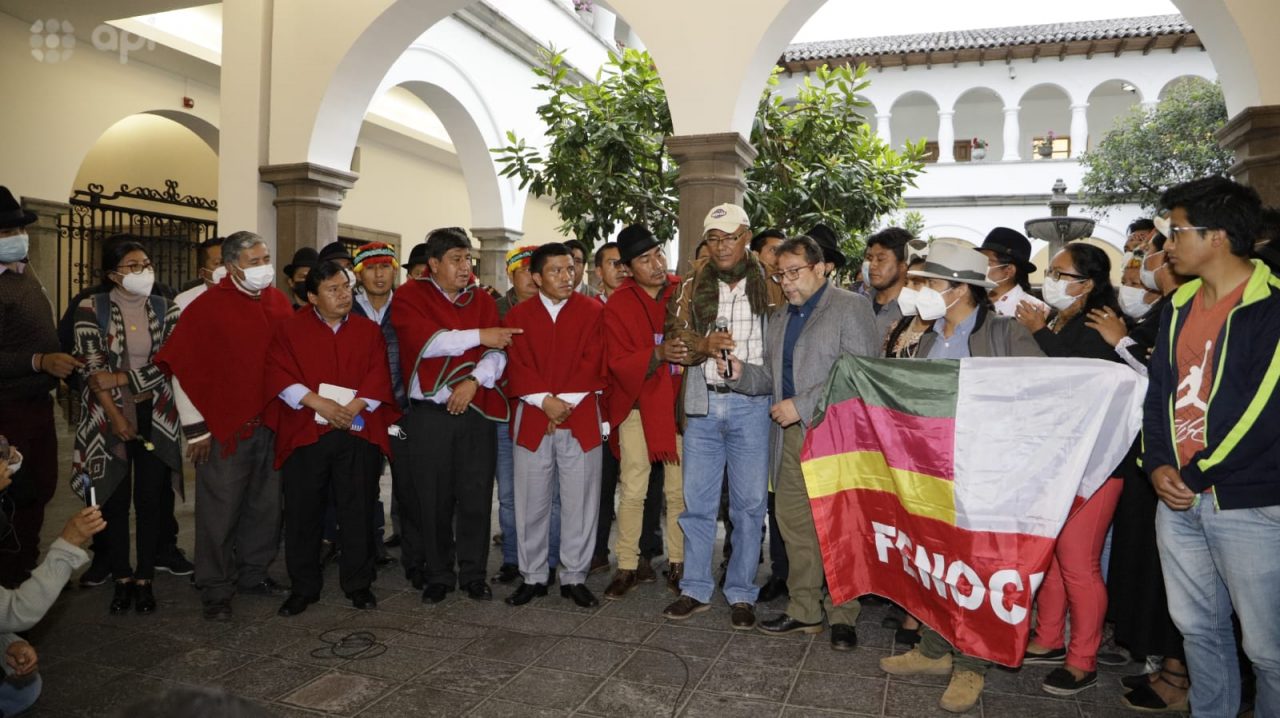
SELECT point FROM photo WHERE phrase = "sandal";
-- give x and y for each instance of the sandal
(1144, 697)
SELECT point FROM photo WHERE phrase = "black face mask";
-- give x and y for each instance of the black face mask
(300, 291)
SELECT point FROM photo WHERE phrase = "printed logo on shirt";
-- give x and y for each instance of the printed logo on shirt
(1190, 403)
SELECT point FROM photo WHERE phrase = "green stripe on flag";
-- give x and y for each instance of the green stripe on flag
(912, 386)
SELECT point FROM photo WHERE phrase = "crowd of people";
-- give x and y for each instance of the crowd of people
(658, 402)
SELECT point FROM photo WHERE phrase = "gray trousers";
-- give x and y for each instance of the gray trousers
(558, 462)
(238, 503)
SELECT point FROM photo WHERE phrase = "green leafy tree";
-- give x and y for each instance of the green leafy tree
(1150, 150)
(606, 164)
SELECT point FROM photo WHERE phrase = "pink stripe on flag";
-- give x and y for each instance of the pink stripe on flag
(921, 444)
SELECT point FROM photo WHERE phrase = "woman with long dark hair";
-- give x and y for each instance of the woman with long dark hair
(127, 439)
(1077, 284)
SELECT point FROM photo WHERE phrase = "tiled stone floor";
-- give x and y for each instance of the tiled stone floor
(461, 657)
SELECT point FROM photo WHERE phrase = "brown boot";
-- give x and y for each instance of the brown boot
(644, 571)
(675, 572)
(623, 582)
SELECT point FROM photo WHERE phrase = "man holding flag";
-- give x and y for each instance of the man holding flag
(820, 323)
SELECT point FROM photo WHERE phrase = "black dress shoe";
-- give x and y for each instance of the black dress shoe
(580, 594)
(383, 560)
(217, 611)
(783, 624)
(144, 600)
(392, 541)
(265, 587)
(122, 599)
(526, 593)
(843, 637)
(507, 573)
(478, 591)
(363, 598)
(329, 552)
(295, 604)
(773, 588)
(434, 593)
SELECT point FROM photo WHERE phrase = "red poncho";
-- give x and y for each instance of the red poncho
(307, 351)
(633, 321)
(218, 351)
(561, 357)
(422, 311)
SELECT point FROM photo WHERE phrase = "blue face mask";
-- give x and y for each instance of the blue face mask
(14, 248)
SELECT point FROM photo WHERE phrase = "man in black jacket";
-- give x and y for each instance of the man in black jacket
(1211, 437)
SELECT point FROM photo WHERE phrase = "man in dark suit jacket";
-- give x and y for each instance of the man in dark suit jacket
(820, 323)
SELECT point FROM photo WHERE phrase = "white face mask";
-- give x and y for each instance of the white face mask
(14, 248)
(1055, 293)
(930, 304)
(1133, 302)
(907, 299)
(139, 284)
(866, 273)
(998, 267)
(1148, 276)
(258, 278)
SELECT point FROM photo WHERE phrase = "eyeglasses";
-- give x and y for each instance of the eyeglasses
(134, 268)
(792, 274)
(717, 241)
(1057, 275)
(1175, 230)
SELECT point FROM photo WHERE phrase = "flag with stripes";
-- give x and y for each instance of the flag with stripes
(942, 485)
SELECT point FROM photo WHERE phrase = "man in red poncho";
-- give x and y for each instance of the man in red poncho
(643, 383)
(451, 355)
(556, 368)
(333, 405)
(217, 358)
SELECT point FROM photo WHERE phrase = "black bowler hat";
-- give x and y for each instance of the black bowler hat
(1011, 243)
(304, 257)
(633, 241)
(417, 255)
(11, 213)
(335, 250)
(826, 238)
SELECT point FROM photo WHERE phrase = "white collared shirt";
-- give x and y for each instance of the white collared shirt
(572, 398)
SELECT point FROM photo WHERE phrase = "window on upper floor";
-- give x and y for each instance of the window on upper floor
(1057, 149)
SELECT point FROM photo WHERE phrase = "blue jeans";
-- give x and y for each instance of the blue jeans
(734, 431)
(1216, 561)
(507, 504)
(18, 695)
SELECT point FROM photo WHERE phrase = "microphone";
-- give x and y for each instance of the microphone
(722, 325)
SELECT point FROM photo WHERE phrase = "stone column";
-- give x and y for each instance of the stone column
(495, 242)
(44, 257)
(1079, 129)
(308, 198)
(946, 137)
(711, 173)
(882, 127)
(1012, 135)
(1254, 135)
(244, 201)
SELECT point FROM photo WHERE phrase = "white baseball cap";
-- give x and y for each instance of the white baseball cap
(725, 217)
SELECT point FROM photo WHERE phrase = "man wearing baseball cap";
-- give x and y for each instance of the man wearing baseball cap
(723, 306)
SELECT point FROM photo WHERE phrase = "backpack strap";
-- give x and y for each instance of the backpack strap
(102, 309)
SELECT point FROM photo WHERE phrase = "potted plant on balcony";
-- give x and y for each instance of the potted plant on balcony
(1046, 146)
(584, 9)
(979, 149)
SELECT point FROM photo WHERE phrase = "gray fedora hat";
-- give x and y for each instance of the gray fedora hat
(955, 264)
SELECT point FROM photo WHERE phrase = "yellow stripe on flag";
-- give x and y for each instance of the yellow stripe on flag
(921, 494)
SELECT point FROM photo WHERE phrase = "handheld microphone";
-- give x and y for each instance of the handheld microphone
(722, 325)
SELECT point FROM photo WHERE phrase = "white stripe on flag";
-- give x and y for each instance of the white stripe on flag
(1032, 433)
